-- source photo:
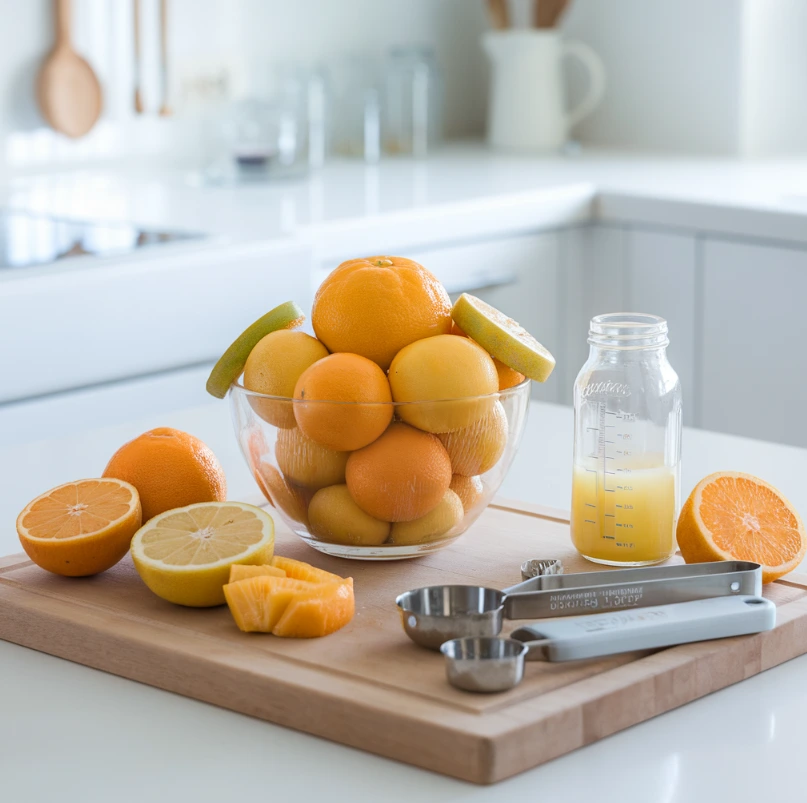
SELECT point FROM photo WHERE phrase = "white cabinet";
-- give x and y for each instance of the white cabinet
(660, 279)
(754, 330)
(103, 320)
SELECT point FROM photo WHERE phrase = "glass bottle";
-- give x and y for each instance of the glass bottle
(627, 443)
(412, 102)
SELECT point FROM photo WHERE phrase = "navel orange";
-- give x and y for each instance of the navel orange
(378, 305)
(350, 402)
(80, 528)
(401, 476)
(442, 369)
(734, 516)
(169, 468)
(508, 378)
(274, 366)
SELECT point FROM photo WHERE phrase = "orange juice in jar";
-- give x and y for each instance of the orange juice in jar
(627, 452)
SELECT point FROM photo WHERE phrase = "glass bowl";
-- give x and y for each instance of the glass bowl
(292, 469)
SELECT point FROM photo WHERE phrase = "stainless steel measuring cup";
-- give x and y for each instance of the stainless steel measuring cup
(497, 664)
(436, 614)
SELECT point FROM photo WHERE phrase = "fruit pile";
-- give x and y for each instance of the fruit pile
(388, 419)
(161, 497)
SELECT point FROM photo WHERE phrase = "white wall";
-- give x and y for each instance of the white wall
(775, 77)
(673, 72)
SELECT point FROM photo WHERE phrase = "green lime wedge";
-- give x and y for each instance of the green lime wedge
(229, 367)
(502, 337)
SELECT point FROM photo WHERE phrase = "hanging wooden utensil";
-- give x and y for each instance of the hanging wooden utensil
(499, 16)
(68, 91)
(549, 12)
(138, 96)
(165, 109)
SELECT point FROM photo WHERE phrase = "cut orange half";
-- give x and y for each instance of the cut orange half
(80, 528)
(734, 516)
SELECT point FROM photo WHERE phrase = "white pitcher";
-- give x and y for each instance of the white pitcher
(527, 109)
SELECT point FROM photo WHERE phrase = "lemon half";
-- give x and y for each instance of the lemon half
(184, 555)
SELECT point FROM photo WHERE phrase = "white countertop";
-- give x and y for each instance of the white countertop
(766, 199)
(77, 734)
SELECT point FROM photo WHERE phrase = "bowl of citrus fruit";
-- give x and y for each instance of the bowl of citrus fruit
(386, 432)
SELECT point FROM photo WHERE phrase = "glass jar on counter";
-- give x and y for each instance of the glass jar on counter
(412, 102)
(627, 443)
(357, 120)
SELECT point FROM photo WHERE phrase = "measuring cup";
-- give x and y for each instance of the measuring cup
(627, 443)
(496, 664)
(436, 614)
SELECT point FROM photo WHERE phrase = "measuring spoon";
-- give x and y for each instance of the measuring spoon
(436, 614)
(497, 664)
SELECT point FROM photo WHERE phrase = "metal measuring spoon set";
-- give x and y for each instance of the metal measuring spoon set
(674, 605)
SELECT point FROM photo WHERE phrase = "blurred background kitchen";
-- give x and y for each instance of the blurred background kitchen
(171, 169)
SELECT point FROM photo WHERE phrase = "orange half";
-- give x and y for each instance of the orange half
(734, 516)
(82, 527)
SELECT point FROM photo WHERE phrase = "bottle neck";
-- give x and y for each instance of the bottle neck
(627, 332)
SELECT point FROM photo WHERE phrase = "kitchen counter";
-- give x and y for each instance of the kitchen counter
(766, 199)
(104, 738)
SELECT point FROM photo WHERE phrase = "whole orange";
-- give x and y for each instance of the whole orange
(508, 378)
(331, 382)
(401, 476)
(169, 468)
(377, 305)
(442, 370)
(273, 368)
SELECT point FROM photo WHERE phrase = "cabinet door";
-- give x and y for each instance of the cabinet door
(660, 279)
(753, 345)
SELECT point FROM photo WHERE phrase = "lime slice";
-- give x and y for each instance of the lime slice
(231, 363)
(502, 337)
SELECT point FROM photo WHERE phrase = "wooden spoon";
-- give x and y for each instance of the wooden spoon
(165, 109)
(138, 98)
(549, 12)
(499, 16)
(68, 91)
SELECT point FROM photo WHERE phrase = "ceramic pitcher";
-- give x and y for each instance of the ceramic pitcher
(527, 109)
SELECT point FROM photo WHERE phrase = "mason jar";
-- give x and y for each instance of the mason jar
(627, 443)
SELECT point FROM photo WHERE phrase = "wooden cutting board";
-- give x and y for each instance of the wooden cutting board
(367, 686)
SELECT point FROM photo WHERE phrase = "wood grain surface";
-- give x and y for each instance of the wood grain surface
(367, 686)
